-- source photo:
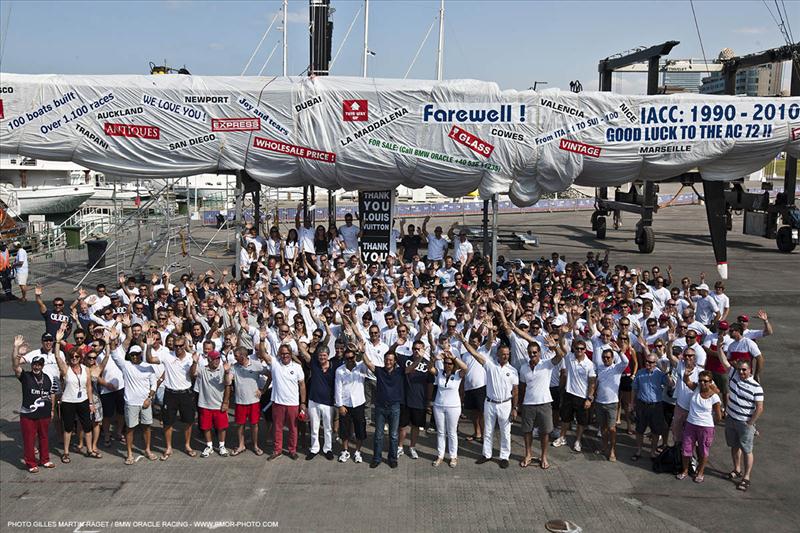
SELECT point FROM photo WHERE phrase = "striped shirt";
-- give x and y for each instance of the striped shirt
(742, 397)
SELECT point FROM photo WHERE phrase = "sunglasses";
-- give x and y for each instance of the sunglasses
(705, 381)
(91, 358)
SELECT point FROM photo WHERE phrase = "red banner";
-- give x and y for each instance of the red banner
(579, 148)
(476, 144)
(131, 130)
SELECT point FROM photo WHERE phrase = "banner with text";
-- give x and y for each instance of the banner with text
(375, 210)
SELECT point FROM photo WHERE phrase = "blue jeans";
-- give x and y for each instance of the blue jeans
(387, 413)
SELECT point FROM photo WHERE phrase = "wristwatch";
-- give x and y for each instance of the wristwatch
(590, 398)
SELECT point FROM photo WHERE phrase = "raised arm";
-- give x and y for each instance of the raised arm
(62, 365)
(19, 340)
(37, 291)
(762, 314)
(473, 352)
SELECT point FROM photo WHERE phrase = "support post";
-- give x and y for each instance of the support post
(257, 209)
(494, 237)
(313, 204)
(790, 171)
(237, 223)
(331, 208)
(486, 242)
(714, 196)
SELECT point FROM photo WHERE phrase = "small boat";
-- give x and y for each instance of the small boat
(37, 187)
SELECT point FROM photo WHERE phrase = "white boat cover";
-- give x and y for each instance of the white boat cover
(369, 134)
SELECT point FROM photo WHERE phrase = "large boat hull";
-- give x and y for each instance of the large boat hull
(45, 200)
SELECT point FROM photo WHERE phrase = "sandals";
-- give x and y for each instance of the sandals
(474, 438)
(93, 454)
(129, 460)
(166, 455)
(733, 475)
(192, 453)
(526, 462)
(544, 466)
(236, 452)
(65, 458)
(743, 485)
(258, 451)
(34, 470)
(151, 456)
(699, 479)
(680, 476)
(49, 464)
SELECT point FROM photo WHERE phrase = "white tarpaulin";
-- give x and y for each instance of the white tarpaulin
(368, 134)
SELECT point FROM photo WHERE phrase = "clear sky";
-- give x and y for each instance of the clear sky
(513, 43)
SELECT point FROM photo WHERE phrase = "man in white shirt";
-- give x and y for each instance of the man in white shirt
(305, 232)
(437, 243)
(178, 395)
(579, 394)
(21, 268)
(502, 394)
(140, 389)
(349, 399)
(707, 312)
(288, 398)
(463, 250)
(349, 233)
(537, 411)
(609, 375)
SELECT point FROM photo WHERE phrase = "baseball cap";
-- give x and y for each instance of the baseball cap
(743, 318)
(134, 349)
(38, 360)
(663, 318)
(723, 325)
(214, 355)
(702, 287)
(114, 296)
(47, 337)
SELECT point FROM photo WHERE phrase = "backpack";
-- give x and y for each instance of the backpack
(668, 461)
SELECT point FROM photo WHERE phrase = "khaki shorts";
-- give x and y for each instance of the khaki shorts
(607, 414)
(739, 435)
(136, 415)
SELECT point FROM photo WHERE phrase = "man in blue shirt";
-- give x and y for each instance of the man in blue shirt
(648, 385)
(389, 395)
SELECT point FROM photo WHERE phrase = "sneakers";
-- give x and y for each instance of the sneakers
(412, 452)
(400, 451)
(345, 456)
(560, 441)
(223, 451)
(577, 446)
(207, 451)
(329, 455)
(357, 457)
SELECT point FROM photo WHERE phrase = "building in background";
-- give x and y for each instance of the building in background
(681, 82)
(763, 80)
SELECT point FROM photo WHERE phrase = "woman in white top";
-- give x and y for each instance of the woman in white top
(704, 412)
(274, 243)
(448, 371)
(290, 248)
(336, 245)
(247, 257)
(75, 400)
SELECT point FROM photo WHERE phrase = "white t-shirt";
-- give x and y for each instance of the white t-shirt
(285, 379)
(462, 250)
(177, 374)
(447, 388)
(139, 379)
(683, 394)
(350, 236)
(578, 374)
(376, 352)
(608, 378)
(537, 382)
(476, 374)
(306, 237)
(701, 410)
(22, 257)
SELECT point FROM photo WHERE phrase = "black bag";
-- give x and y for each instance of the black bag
(668, 461)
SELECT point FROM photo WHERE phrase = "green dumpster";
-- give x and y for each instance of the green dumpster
(73, 236)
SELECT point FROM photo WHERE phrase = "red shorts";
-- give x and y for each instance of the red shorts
(251, 412)
(212, 418)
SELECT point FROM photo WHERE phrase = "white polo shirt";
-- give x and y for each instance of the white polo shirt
(578, 374)
(437, 248)
(500, 380)
(608, 378)
(537, 382)
(285, 379)
(177, 374)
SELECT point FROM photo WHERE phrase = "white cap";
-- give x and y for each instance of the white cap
(702, 287)
(634, 272)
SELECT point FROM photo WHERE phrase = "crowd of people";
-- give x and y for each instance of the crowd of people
(315, 342)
